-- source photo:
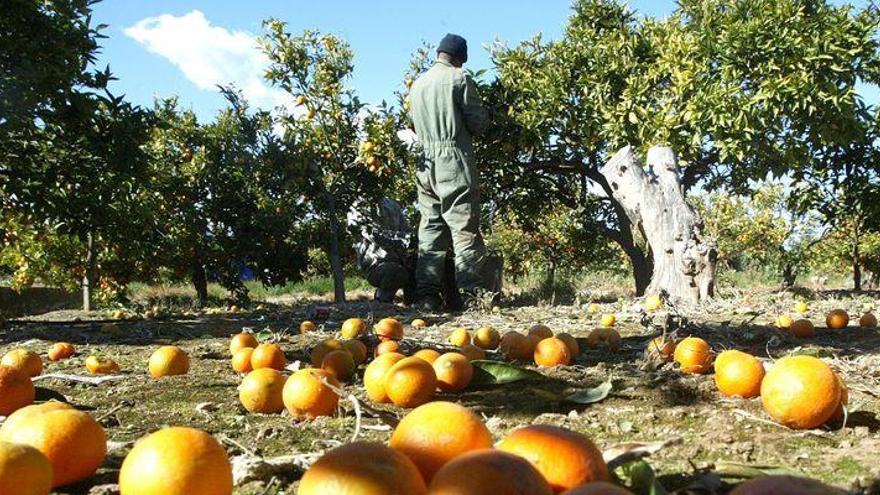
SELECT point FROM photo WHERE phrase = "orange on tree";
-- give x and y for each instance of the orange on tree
(24, 470)
(454, 371)
(169, 360)
(662, 348)
(802, 329)
(604, 337)
(542, 331)
(472, 352)
(598, 488)
(487, 338)
(362, 468)
(261, 391)
(322, 349)
(241, 360)
(386, 347)
(99, 365)
(435, 433)
(516, 346)
(357, 349)
(374, 376)
(268, 356)
(308, 393)
(410, 382)
(388, 329)
(489, 472)
(693, 355)
(339, 364)
(73, 442)
(552, 352)
(176, 461)
(738, 374)
(868, 320)
(16, 390)
(784, 322)
(800, 392)
(353, 328)
(573, 348)
(429, 355)
(837, 319)
(566, 458)
(784, 485)
(27, 361)
(608, 320)
(242, 340)
(61, 350)
(307, 327)
(460, 337)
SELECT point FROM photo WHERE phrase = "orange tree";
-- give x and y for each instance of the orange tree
(343, 150)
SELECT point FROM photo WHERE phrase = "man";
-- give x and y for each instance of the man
(384, 249)
(446, 112)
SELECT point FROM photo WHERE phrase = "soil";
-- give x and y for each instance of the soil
(711, 437)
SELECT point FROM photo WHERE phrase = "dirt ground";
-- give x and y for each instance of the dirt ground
(711, 439)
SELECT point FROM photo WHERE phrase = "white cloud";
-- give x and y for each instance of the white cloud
(209, 55)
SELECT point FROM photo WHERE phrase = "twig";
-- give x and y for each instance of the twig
(227, 439)
(113, 410)
(750, 416)
(354, 401)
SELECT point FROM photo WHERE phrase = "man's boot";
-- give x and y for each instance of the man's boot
(384, 296)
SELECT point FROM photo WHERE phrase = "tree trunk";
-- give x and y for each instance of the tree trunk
(789, 275)
(335, 256)
(88, 273)
(856, 261)
(200, 282)
(642, 268)
(683, 258)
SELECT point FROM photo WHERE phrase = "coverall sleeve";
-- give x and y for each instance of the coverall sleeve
(476, 117)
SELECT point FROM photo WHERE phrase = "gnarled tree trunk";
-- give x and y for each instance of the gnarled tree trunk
(653, 199)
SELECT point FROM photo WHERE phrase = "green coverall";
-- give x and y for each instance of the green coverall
(446, 111)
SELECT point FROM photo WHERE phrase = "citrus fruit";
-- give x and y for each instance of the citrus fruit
(241, 360)
(388, 329)
(322, 349)
(268, 356)
(26, 412)
(410, 382)
(339, 364)
(573, 348)
(784, 322)
(307, 327)
(169, 360)
(693, 355)
(801, 307)
(472, 352)
(489, 472)
(487, 338)
(16, 390)
(357, 349)
(429, 355)
(240, 341)
(604, 337)
(454, 371)
(784, 485)
(460, 337)
(419, 323)
(662, 348)
(24, 470)
(653, 303)
(261, 390)
(608, 320)
(374, 376)
(837, 319)
(515, 346)
(362, 468)
(101, 365)
(802, 329)
(306, 393)
(868, 320)
(176, 461)
(542, 331)
(353, 328)
(552, 352)
(738, 374)
(435, 433)
(61, 350)
(593, 308)
(800, 392)
(388, 346)
(27, 361)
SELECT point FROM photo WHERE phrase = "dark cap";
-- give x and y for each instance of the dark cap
(454, 45)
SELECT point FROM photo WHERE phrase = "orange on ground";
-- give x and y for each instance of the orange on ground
(573, 348)
(307, 327)
(487, 338)
(784, 485)
(16, 390)
(357, 349)
(802, 329)
(374, 376)
(844, 400)
(454, 371)
(664, 349)
(472, 352)
(868, 320)
(240, 341)
(593, 308)
(693, 355)
(460, 337)
(101, 365)
(388, 346)
(837, 319)
(388, 329)
(339, 364)
(261, 391)
(738, 374)
(429, 355)
(169, 360)
(604, 337)
(73, 441)
(516, 346)
(784, 322)
(653, 303)
(322, 349)
(27, 361)
(24, 470)
(241, 360)
(435, 433)
(418, 323)
(552, 352)
(801, 307)
(61, 350)
(800, 392)
(598, 488)
(540, 330)
(362, 468)
(268, 356)
(410, 382)
(27, 412)
(489, 472)
(608, 320)
(353, 328)
(176, 461)
(566, 458)
(306, 395)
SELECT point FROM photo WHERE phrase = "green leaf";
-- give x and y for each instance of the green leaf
(641, 478)
(590, 395)
(735, 470)
(497, 373)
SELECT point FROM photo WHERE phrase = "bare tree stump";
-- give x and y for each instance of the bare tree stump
(654, 201)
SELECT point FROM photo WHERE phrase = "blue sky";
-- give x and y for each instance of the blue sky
(185, 47)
